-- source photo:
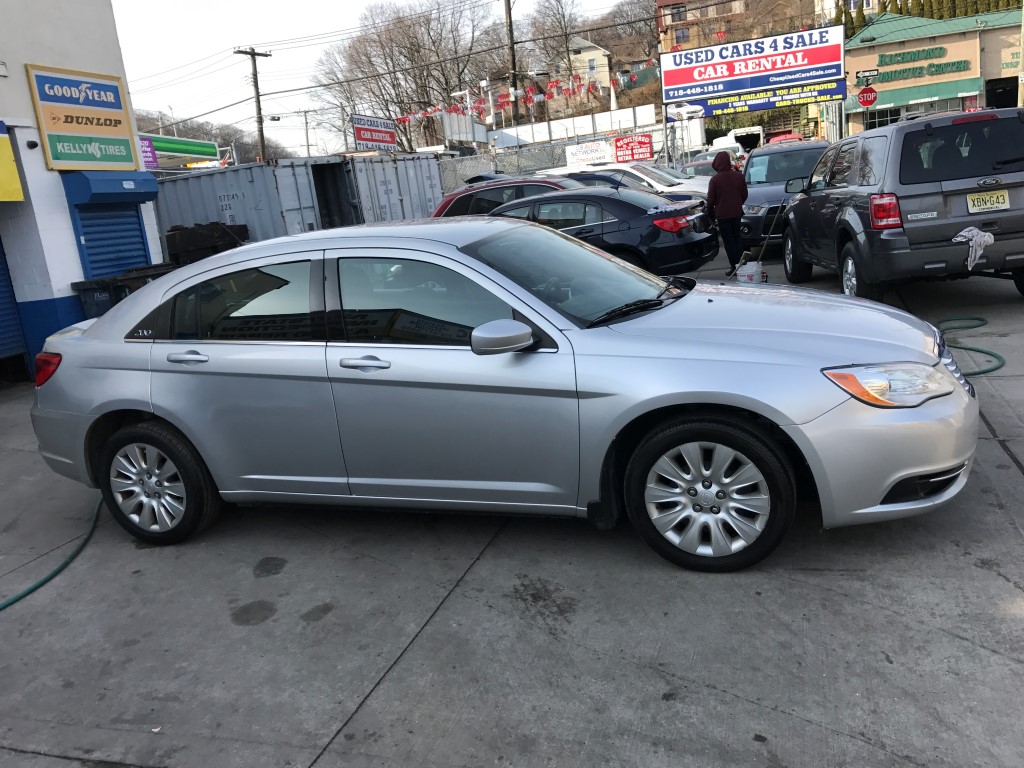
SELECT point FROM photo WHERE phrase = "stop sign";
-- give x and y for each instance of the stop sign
(867, 96)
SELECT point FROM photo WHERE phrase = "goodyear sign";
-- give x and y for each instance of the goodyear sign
(83, 120)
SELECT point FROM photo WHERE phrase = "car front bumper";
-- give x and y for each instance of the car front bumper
(863, 458)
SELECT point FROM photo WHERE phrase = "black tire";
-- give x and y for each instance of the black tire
(853, 284)
(1018, 280)
(156, 441)
(759, 457)
(796, 271)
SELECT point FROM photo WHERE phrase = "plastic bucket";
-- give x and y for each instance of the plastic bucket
(747, 273)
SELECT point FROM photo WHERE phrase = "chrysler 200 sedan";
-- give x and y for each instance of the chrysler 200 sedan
(495, 365)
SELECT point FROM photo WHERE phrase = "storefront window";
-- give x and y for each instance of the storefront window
(876, 118)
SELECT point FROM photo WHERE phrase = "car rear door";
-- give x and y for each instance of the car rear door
(422, 417)
(968, 173)
(243, 375)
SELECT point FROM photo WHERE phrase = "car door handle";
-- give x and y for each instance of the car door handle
(187, 357)
(587, 231)
(365, 364)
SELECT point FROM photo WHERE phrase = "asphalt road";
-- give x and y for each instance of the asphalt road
(320, 638)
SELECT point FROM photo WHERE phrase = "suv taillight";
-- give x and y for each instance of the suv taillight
(885, 212)
(46, 366)
(673, 224)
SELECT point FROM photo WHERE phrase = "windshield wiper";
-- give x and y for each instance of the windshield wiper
(1006, 161)
(629, 308)
(675, 281)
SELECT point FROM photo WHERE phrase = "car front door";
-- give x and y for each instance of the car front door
(243, 374)
(837, 195)
(422, 417)
(809, 228)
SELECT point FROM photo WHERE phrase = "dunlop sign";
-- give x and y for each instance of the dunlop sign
(83, 120)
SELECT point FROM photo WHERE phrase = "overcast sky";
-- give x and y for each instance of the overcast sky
(182, 61)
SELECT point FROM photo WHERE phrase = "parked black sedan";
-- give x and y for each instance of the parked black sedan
(663, 236)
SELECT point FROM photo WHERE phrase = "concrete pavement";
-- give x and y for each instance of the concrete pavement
(326, 638)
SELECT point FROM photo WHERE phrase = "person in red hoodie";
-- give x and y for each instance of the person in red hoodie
(727, 191)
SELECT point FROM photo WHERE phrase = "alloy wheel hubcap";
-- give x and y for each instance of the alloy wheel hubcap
(707, 499)
(787, 255)
(849, 278)
(148, 488)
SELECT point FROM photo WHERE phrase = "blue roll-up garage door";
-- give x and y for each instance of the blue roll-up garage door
(112, 238)
(12, 342)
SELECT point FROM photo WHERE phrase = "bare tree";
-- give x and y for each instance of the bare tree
(553, 24)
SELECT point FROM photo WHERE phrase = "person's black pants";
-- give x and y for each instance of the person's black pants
(729, 229)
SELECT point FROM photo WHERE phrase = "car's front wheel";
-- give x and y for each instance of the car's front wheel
(710, 495)
(853, 282)
(155, 484)
(796, 271)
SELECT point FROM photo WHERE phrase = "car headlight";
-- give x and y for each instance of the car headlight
(892, 385)
(752, 210)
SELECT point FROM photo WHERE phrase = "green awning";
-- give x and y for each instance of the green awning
(920, 94)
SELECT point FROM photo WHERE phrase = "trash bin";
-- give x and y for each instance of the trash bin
(136, 277)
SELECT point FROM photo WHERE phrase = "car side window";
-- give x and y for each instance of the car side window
(596, 214)
(486, 200)
(269, 303)
(871, 168)
(460, 206)
(529, 190)
(843, 167)
(638, 179)
(404, 301)
(517, 213)
(821, 170)
(561, 215)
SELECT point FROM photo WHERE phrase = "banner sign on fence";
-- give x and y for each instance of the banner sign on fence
(631, 148)
(588, 152)
(374, 133)
(782, 61)
(83, 120)
(776, 97)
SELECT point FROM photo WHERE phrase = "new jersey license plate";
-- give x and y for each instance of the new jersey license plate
(982, 202)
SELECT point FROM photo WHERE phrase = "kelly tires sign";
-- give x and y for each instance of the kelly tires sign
(83, 120)
(374, 133)
(782, 61)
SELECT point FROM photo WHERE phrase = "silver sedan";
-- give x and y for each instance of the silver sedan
(492, 365)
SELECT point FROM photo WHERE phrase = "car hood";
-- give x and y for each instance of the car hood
(755, 321)
(767, 194)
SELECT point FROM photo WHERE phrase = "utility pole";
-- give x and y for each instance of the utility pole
(252, 53)
(305, 121)
(512, 59)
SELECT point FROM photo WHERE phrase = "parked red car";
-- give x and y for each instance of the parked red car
(484, 196)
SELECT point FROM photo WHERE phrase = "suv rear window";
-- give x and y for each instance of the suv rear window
(962, 150)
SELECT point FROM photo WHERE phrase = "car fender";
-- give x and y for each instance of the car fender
(850, 228)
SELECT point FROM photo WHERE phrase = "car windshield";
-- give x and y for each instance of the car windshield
(655, 174)
(971, 146)
(576, 280)
(780, 167)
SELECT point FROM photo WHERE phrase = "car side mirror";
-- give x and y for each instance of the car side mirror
(795, 185)
(500, 336)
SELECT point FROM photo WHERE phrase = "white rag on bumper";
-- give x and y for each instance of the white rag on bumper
(976, 242)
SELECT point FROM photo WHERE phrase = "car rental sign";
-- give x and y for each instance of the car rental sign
(374, 133)
(781, 61)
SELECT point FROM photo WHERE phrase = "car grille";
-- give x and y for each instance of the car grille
(773, 221)
(947, 360)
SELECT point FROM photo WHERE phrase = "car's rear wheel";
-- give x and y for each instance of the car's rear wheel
(853, 282)
(155, 485)
(710, 495)
(1018, 280)
(796, 271)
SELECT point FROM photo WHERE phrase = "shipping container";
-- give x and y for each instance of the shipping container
(303, 194)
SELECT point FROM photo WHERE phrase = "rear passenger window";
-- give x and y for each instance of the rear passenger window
(459, 206)
(517, 213)
(871, 170)
(268, 303)
(562, 215)
(402, 301)
(486, 200)
(844, 165)
(536, 189)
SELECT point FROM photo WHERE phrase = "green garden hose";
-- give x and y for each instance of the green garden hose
(67, 561)
(966, 324)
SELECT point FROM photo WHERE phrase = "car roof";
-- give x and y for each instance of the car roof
(789, 146)
(587, 192)
(505, 181)
(916, 122)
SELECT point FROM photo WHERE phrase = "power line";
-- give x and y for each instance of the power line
(175, 69)
(185, 79)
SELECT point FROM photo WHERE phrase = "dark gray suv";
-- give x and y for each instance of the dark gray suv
(883, 206)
